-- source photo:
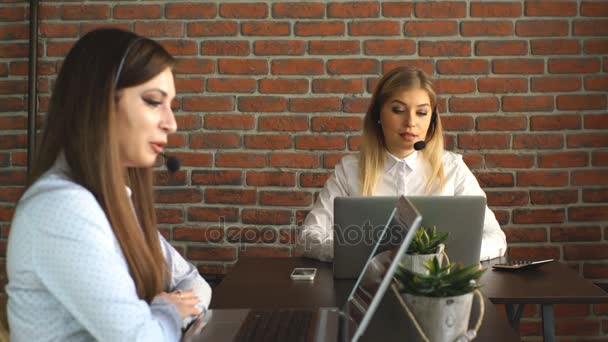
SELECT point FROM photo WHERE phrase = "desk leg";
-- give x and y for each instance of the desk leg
(514, 312)
(548, 322)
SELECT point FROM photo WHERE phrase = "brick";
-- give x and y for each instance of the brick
(541, 28)
(424, 65)
(525, 234)
(223, 121)
(537, 216)
(554, 196)
(599, 158)
(527, 103)
(13, 141)
(64, 30)
(309, 10)
(223, 177)
(269, 178)
(215, 140)
(266, 216)
(555, 122)
(85, 12)
(13, 13)
(285, 198)
(590, 177)
(325, 28)
(208, 103)
(283, 123)
(518, 66)
(137, 12)
(501, 48)
(507, 198)
(11, 194)
(594, 121)
(265, 29)
(502, 85)
(320, 142)
(473, 160)
(555, 47)
(430, 29)
(444, 9)
(542, 178)
(164, 178)
(349, 10)
(244, 10)
(454, 86)
(160, 29)
(263, 252)
(594, 9)
(574, 65)
(571, 310)
(6, 214)
(240, 159)
(211, 214)
(596, 46)
(336, 124)
(288, 236)
(463, 66)
(283, 86)
(13, 87)
(278, 47)
(477, 104)
(12, 177)
(563, 159)
(48, 12)
(486, 28)
(581, 102)
(177, 195)
(356, 105)
(225, 48)
(595, 271)
(231, 85)
(575, 234)
(585, 252)
(507, 160)
(457, 123)
(595, 195)
(230, 196)
(550, 9)
(198, 234)
(483, 141)
(501, 123)
(251, 235)
(445, 48)
(495, 9)
(599, 83)
(193, 66)
(600, 309)
(169, 216)
(314, 105)
(313, 180)
(389, 47)
(352, 66)
(590, 27)
(555, 84)
(333, 47)
(262, 104)
(268, 141)
(180, 47)
(294, 160)
(337, 86)
(176, 140)
(190, 11)
(243, 66)
(374, 28)
(189, 85)
(587, 140)
(212, 29)
(215, 253)
(58, 49)
(396, 9)
(297, 66)
(354, 143)
(534, 253)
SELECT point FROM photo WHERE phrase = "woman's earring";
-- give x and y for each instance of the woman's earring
(378, 122)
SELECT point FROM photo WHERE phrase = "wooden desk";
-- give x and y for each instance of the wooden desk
(265, 283)
(553, 283)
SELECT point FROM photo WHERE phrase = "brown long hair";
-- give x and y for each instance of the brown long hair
(82, 124)
(373, 147)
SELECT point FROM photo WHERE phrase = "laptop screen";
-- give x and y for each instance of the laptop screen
(377, 274)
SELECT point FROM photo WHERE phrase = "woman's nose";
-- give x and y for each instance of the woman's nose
(169, 124)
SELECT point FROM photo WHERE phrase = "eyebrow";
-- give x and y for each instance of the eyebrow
(162, 92)
(405, 104)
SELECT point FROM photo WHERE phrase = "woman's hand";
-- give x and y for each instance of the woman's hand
(184, 301)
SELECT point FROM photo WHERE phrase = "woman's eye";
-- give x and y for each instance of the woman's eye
(421, 113)
(152, 102)
(398, 110)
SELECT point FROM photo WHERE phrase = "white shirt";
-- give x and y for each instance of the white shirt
(69, 280)
(401, 177)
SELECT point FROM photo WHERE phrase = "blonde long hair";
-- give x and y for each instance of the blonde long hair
(373, 148)
(82, 124)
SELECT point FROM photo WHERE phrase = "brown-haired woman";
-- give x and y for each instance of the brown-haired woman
(85, 260)
(402, 113)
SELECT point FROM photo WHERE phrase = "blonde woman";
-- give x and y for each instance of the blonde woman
(402, 114)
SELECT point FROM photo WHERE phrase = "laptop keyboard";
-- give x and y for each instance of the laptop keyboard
(278, 325)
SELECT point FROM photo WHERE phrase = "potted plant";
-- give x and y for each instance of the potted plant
(426, 245)
(441, 299)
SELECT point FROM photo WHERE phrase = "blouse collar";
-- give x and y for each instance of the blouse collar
(410, 161)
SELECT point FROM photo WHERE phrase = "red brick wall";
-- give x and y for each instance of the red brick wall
(271, 95)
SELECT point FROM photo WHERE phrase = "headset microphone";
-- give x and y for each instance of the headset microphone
(419, 145)
(172, 163)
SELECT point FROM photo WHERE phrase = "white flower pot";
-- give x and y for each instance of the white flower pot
(414, 262)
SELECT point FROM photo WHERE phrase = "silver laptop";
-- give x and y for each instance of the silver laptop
(355, 217)
(327, 324)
